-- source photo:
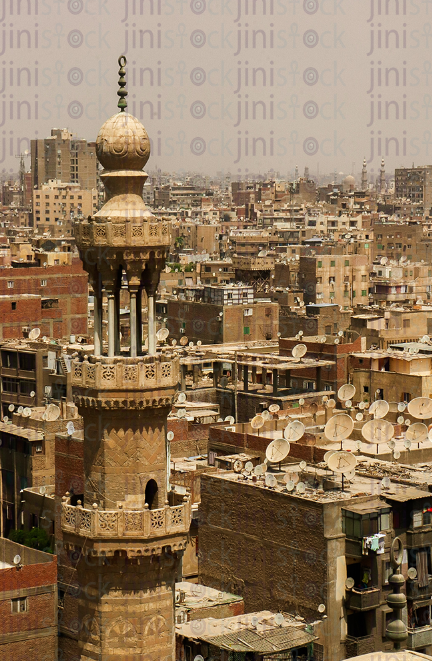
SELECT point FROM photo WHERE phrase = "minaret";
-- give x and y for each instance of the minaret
(126, 534)
(296, 173)
(306, 172)
(364, 177)
(382, 179)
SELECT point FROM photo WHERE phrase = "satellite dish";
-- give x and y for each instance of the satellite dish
(358, 445)
(342, 462)
(301, 401)
(378, 431)
(279, 619)
(254, 621)
(303, 465)
(265, 415)
(323, 339)
(417, 432)
(290, 485)
(20, 409)
(383, 261)
(162, 334)
(420, 407)
(32, 394)
(52, 413)
(181, 413)
(249, 466)
(400, 419)
(391, 444)
(257, 422)
(70, 427)
(299, 351)
(339, 427)
(327, 455)
(181, 397)
(5, 418)
(396, 454)
(191, 344)
(407, 443)
(385, 482)
(401, 407)
(362, 405)
(294, 431)
(270, 481)
(337, 340)
(238, 466)
(170, 435)
(277, 450)
(17, 560)
(11, 408)
(259, 470)
(349, 583)
(321, 608)
(379, 408)
(274, 408)
(34, 333)
(340, 333)
(348, 404)
(230, 419)
(184, 340)
(199, 343)
(412, 573)
(300, 488)
(331, 403)
(359, 416)
(407, 422)
(173, 343)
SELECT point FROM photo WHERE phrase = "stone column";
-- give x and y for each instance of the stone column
(139, 320)
(133, 323)
(117, 320)
(97, 317)
(275, 382)
(264, 376)
(111, 324)
(151, 326)
(245, 378)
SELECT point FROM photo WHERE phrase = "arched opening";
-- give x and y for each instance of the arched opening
(151, 494)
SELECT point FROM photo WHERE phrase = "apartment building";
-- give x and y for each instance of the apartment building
(415, 184)
(65, 158)
(56, 205)
(340, 279)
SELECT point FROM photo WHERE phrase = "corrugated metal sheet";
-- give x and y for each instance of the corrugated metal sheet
(277, 640)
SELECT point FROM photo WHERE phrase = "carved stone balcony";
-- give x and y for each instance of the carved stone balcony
(123, 234)
(121, 381)
(165, 526)
(363, 600)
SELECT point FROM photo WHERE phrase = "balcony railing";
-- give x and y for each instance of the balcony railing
(421, 637)
(103, 524)
(413, 591)
(144, 372)
(123, 234)
(357, 646)
(361, 600)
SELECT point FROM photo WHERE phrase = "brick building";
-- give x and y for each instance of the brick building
(28, 604)
(52, 298)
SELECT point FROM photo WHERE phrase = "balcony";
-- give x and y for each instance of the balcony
(421, 637)
(419, 537)
(363, 599)
(358, 646)
(413, 591)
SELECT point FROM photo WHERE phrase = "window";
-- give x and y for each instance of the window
(347, 262)
(406, 397)
(320, 265)
(246, 330)
(9, 359)
(333, 263)
(13, 305)
(43, 283)
(346, 293)
(364, 278)
(10, 385)
(354, 294)
(38, 448)
(364, 292)
(386, 571)
(10, 284)
(406, 323)
(19, 605)
(248, 312)
(332, 294)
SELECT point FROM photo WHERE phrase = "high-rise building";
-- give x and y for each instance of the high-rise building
(415, 184)
(127, 532)
(63, 157)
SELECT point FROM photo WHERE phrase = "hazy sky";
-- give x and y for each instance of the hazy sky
(232, 85)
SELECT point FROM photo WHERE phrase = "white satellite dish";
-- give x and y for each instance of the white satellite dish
(270, 481)
(327, 455)
(396, 454)
(162, 334)
(349, 583)
(191, 344)
(342, 462)
(348, 404)
(181, 397)
(300, 488)
(391, 444)
(407, 422)
(340, 333)
(259, 470)
(385, 482)
(230, 419)
(331, 403)
(303, 465)
(383, 261)
(412, 573)
(362, 405)
(52, 413)
(249, 466)
(173, 343)
(378, 431)
(299, 351)
(265, 415)
(301, 401)
(337, 340)
(184, 340)
(17, 560)
(34, 333)
(379, 408)
(11, 408)
(238, 466)
(26, 412)
(257, 422)
(339, 427)
(32, 394)
(290, 485)
(294, 431)
(170, 435)
(400, 419)
(20, 409)
(321, 608)
(277, 450)
(359, 416)
(5, 418)
(420, 407)
(417, 432)
(279, 619)
(401, 407)
(181, 413)
(70, 427)
(407, 443)
(274, 408)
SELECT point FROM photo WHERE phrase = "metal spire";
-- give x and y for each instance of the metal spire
(122, 93)
(396, 630)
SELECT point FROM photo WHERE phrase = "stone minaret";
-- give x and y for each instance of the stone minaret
(364, 177)
(126, 534)
(382, 179)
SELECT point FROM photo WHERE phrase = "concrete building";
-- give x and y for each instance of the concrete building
(340, 279)
(65, 158)
(415, 184)
(56, 205)
(28, 603)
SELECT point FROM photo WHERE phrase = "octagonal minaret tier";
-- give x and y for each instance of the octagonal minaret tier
(125, 533)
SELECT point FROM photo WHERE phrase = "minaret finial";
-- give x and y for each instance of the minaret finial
(122, 93)
(396, 630)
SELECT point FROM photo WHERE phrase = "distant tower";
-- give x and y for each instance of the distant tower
(296, 173)
(364, 176)
(382, 179)
(126, 534)
(335, 177)
(306, 172)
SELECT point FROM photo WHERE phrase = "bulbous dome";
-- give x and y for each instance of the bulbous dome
(349, 180)
(123, 143)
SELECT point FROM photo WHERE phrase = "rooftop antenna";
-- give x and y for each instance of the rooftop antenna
(122, 93)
